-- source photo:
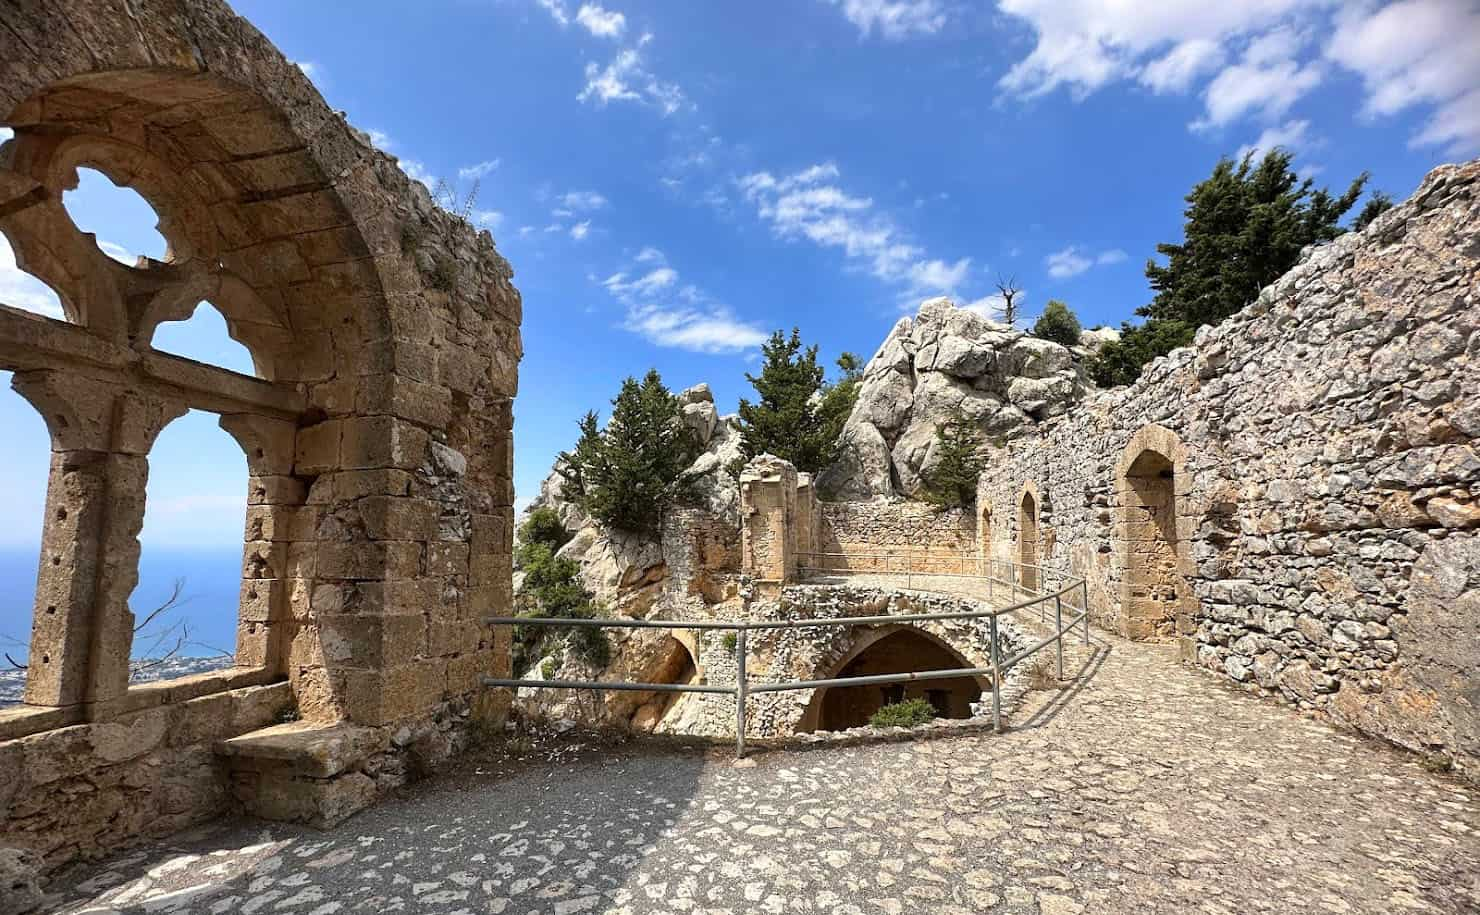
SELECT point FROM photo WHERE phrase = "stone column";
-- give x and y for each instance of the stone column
(768, 500)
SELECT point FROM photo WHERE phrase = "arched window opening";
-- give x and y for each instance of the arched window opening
(125, 226)
(1150, 533)
(186, 602)
(901, 651)
(676, 666)
(204, 337)
(23, 474)
(19, 289)
(1028, 543)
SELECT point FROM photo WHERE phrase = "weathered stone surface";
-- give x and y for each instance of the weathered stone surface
(20, 881)
(1293, 497)
(945, 361)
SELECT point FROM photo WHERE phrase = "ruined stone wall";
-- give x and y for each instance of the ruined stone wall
(385, 336)
(852, 534)
(1297, 495)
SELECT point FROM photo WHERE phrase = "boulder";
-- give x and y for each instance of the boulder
(962, 357)
(703, 418)
(884, 401)
(20, 881)
(862, 470)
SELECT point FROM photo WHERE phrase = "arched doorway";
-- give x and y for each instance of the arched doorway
(1028, 541)
(1156, 601)
(900, 649)
(984, 540)
(676, 665)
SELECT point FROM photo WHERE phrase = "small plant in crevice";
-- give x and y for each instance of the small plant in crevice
(287, 715)
(730, 641)
(410, 238)
(906, 714)
(547, 669)
(444, 273)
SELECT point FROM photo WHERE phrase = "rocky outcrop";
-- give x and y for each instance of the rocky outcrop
(943, 361)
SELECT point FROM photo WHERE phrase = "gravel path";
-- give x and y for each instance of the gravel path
(1147, 787)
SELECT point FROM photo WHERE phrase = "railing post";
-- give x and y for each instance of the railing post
(1058, 613)
(1084, 599)
(996, 679)
(742, 691)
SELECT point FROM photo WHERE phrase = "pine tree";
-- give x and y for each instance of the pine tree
(1375, 206)
(951, 480)
(1058, 323)
(626, 474)
(1245, 226)
(798, 416)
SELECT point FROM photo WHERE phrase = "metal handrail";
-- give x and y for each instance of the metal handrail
(742, 688)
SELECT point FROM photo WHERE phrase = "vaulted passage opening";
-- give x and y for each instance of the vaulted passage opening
(900, 651)
(677, 666)
(1028, 542)
(1149, 529)
(204, 337)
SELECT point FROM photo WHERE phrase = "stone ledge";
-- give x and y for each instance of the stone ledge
(304, 748)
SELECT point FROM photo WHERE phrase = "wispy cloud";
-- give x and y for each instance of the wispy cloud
(557, 11)
(1408, 53)
(810, 205)
(662, 310)
(602, 23)
(580, 230)
(1290, 136)
(310, 69)
(894, 19)
(5, 134)
(626, 79)
(480, 170)
(582, 201)
(1073, 261)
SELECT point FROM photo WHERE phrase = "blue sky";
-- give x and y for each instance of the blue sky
(671, 181)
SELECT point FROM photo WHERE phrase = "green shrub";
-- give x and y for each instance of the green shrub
(626, 474)
(730, 641)
(547, 669)
(1058, 323)
(590, 645)
(444, 273)
(906, 714)
(798, 415)
(542, 525)
(951, 480)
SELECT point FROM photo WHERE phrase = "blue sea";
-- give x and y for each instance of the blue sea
(208, 605)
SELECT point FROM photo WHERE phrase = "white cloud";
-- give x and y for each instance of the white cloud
(557, 11)
(310, 69)
(809, 206)
(580, 230)
(5, 134)
(1417, 52)
(416, 171)
(469, 172)
(379, 138)
(990, 307)
(1408, 53)
(582, 200)
(650, 255)
(625, 79)
(601, 22)
(1085, 44)
(19, 289)
(1073, 261)
(1267, 80)
(489, 219)
(668, 314)
(1066, 263)
(1290, 136)
(117, 252)
(894, 19)
(1184, 63)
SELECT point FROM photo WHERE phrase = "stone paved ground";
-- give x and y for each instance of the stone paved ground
(1146, 788)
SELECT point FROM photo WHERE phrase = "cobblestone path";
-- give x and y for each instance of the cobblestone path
(1145, 788)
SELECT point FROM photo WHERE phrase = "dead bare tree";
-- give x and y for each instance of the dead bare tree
(445, 193)
(1009, 290)
(156, 638)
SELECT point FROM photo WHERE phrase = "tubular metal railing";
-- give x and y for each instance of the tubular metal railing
(742, 688)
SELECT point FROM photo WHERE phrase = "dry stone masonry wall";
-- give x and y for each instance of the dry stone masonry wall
(1297, 495)
(858, 534)
(385, 338)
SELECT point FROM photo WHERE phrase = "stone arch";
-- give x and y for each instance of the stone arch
(1028, 557)
(678, 664)
(892, 649)
(1153, 534)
